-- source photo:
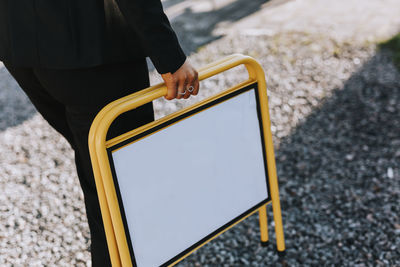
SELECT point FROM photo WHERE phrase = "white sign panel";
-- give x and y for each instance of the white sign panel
(182, 183)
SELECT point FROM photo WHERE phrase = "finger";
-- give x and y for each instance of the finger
(196, 85)
(189, 82)
(182, 87)
(196, 88)
(190, 85)
(171, 92)
(170, 82)
(173, 89)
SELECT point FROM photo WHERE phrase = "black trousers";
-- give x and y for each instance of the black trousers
(69, 100)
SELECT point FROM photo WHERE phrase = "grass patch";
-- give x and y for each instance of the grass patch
(393, 45)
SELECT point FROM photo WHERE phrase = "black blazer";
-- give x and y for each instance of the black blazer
(82, 33)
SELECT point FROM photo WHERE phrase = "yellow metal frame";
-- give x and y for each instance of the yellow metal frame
(112, 220)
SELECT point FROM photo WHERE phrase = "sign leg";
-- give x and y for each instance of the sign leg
(256, 72)
(276, 208)
(262, 214)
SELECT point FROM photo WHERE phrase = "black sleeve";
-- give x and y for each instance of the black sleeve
(157, 36)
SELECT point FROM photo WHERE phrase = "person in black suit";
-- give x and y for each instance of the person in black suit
(72, 57)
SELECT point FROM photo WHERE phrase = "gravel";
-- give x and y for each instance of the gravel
(42, 213)
(335, 119)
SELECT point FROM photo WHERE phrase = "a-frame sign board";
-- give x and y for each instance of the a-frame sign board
(154, 216)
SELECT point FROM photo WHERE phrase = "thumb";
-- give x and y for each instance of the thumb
(171, 85)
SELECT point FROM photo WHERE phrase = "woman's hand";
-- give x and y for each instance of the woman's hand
(185, 79)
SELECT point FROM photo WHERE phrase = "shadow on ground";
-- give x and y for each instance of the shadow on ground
(195, 29)
(15, 106)
(339, 173)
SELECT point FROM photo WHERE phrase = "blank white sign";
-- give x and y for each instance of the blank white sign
(184, 182)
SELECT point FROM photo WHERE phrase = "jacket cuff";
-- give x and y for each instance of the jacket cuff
(168, 61)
